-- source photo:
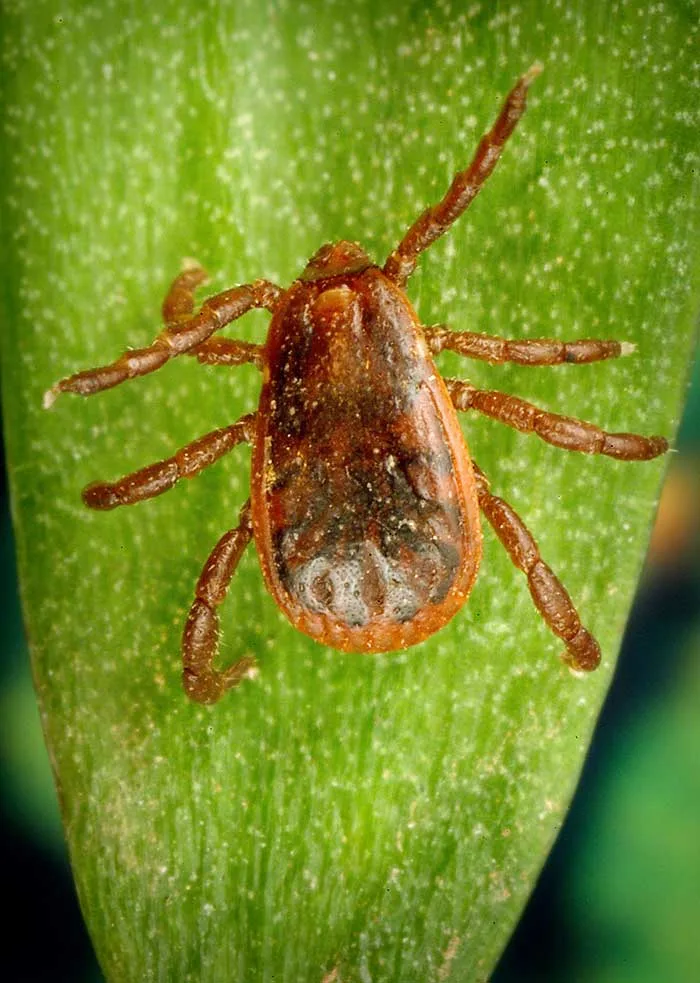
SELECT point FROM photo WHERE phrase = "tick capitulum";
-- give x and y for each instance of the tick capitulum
(364, 502)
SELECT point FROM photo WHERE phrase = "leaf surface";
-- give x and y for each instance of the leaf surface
(340, 818)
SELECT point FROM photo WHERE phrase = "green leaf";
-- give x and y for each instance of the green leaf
(341, 818)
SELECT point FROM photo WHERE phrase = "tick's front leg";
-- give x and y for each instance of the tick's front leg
(161, 476)
(550, 596)
(200, 640)
(182, 333)
(464, 188)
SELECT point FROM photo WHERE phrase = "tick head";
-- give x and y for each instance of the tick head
(336, 259)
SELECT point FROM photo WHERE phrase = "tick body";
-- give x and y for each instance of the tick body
(364, 503)
(365, 512)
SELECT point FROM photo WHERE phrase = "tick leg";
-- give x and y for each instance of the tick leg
(529, 351)
(200, 640)
(464, 188)
(178, 306)
(561, 431)
(227, 351)
(179, 300)
(550, 596)
(161, 476)
(181, 335)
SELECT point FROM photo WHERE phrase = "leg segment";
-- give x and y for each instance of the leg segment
(561, 431)
(179, 300)
(200, 640)
(550, 596)
(464, 188)
(161, 476)
(178, 306)
(227, 351)
(529, 351)
(182, 334)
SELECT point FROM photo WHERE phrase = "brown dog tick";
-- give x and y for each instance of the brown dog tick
(364, 502)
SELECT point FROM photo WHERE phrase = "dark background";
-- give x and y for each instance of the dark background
(619, 898)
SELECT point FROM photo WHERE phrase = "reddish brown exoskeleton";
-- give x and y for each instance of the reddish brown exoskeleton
(364, 501)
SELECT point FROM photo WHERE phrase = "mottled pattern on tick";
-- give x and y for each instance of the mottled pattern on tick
(366, 520)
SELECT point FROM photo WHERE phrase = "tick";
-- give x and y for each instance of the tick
(364, 501)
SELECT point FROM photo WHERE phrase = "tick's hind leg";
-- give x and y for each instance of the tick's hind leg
(200, 640)
(183, 332)
(550, 596)
(161, 476)
(562, 431)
